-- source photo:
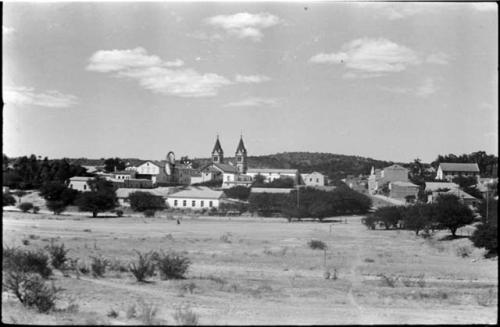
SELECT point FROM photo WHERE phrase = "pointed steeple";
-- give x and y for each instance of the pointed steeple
(241, 147)
(217, 152)
(241, 157)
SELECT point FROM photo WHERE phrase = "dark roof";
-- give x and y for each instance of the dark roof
(226, 168)
(217, 146)
(468, 167)
(241, 146)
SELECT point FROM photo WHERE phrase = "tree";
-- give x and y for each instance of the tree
(418, 217)
(486, 233)
(238, 192)
(56, 206)
(389, 216)
(100, 198)
(114, 163)
(8, 200)
(451, 213)
(142, 201)
(58, 191)
(26, 206)
(258, 181)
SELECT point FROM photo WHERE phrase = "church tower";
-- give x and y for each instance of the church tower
(241, 157)
(217, 153)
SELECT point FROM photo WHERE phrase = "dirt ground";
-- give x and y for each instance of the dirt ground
(261, 271)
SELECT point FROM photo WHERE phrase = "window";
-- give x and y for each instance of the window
(310, 179)
(201, 203)
(210, 204)
(175, 203)
(84, 187)
(228, 178)
(70, 185)
(184, 202)
(193, 203)
(317, 180)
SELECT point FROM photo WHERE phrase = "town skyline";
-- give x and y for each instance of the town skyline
(100, 80)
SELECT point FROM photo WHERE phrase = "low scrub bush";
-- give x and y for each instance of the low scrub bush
(112, 313)
(36, 209)
(317, 245)
(143, 267)
(149, 213)
(148, 313)
(226, 238)
(464, 251)
(189, 287)
(26, 261)
(98, 266)
(172, 265)
(388, 280)
(119, 212)
(57, 254)
(25, 206)
(486, 299)
(31, 290)
(186, 317)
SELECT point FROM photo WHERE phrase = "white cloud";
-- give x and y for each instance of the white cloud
(156, 75)
(21, 95)
(244, 25)
(252, 78)
(439, 58)
(254, 102)
(7, 30)
(426, 88)
(368, 56)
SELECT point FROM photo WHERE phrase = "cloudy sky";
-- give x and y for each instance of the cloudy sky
(392, 81)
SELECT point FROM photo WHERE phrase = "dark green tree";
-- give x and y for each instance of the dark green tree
(100, 198)
(142, 201)
(450, 213)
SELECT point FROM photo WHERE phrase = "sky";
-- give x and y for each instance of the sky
(390, 81)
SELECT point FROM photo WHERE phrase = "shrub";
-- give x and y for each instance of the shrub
(131, 312)
(369, 221)
(148, 313)
(25, 206)
(316, 245)
(26, 261)
(149, 213)
(144, 267)
(463, 251)
(238, 192)
(172, 265)
(57, 254)
(8, 200)
(112, 313)
(119, 212)
(226, 238)
(31, 290)
(36, 209)
(186, 317)
(98, 266)
(56, 206)
(388, 280)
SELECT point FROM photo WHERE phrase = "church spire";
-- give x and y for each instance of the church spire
(241, 157)
(217, 152)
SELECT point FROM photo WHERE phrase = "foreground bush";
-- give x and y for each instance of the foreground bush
(98, 266)
(25, 206)
(172, 265)
(317, 245)
(57, 254)
(31, 290)
(26, 261)
(143, 267)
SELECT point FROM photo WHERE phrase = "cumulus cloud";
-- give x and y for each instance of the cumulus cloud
(21, 95)
(370, 57)
(155, 74)
(251, 78)
(244, 25)
(7, 30)
(254, 102)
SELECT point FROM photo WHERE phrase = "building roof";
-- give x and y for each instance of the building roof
(434, 186)
(80, 179)
(465, 167)
(270, 190)
(316, 173)
(198, 192)
(217, 146)
(395, 166)
(123, 172)
(125, 192)
(404, 184)
(271, 170)
(226, 168)
(241, 146)
(461, 194)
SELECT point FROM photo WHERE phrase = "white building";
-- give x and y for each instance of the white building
(80, 183)
(449, 171)
(149, 170)
(313, 179)
(272, 174)
(435, 186)
(122, 194)
(196, 198)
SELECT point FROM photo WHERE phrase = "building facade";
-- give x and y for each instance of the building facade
(80, 183)
(313, 179)
(270, 175)
(195, 198)
(448, 171)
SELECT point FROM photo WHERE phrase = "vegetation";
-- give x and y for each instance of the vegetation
(451, 213)
(172, 265)
(57, 254)
(468, 185)
(186, 317)
(25, 206)
(144, 201)
(487, 163)
(100, 198)
(486, 233)
(238, 192)
(98, 266)
(57, 207)
(8, 200)
(143, 267)
(317, 245)
(25, 261)
(114, 163)
(283, 182)
(58, 191)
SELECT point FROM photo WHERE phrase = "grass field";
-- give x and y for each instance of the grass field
(260, 271)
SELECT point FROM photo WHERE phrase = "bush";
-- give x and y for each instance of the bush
(8, 200)
(148, 313)
(57, 207)
(238, 192)
(172, 265)
(486, 235)
(36, 209)
(369, 221)
(26, 261)
(57, 254)
(25, 206)
(144, 267)
(119, 212)
(317, 245)
(186, 317)
(98, 266)
(31, 290)
(149, 213)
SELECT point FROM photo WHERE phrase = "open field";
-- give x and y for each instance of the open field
(261, 271)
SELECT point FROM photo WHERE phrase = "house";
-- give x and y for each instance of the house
(436, 186)
(378, 178)
(403, 191)
(270, 175)
(358, 184)
(464, 197)
(122, 194)
(448, 171)
(313, 179)
(149, 170)
(80, 183)
(123, 175)
(195, 198)
(270, 190)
